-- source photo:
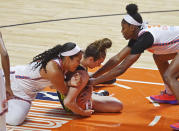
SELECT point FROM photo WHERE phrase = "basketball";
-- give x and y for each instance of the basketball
(84, 98)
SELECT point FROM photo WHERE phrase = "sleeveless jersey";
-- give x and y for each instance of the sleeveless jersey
(26, 81)
(166, 39)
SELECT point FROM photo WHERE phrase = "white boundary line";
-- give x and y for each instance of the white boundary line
(138, 67)
(127, 87)
(155, 83)
(155, 104)
(148, 68)
(123, 86)
(155, 120)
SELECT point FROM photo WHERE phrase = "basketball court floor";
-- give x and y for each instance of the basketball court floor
(30, 27)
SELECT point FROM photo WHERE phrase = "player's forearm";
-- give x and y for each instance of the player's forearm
(105, 68)
(110, 75)
(72, 105)
(113, 62)
(64, 90)
(118, 70)
(6, 68)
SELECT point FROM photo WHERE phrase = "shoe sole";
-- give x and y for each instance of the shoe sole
(175, 128)
(174, 102)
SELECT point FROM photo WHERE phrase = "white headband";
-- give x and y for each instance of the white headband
(71, 52)
(132, 21)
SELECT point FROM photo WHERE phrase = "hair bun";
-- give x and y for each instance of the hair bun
(132, 9)
(107, 43)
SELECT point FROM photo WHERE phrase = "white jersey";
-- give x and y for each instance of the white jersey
(166, 39)
(26, 81)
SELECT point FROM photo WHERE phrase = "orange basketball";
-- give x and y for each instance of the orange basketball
(84, 98)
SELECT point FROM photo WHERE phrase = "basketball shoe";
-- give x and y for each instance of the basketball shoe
(175, 126)
(101, 93)
(164, 98)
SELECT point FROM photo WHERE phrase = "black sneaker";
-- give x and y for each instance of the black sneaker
(102, 93)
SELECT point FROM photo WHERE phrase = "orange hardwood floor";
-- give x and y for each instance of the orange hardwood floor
(139, 114)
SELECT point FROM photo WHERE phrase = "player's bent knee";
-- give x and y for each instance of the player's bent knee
(107, 104)
(15, 118)
(118, 106)
(15, 121)
(17, 111)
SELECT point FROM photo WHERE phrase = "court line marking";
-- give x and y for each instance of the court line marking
(51, 116)
(44, 123)
(127, 87)
(155, 121)
(144, 82)
(138, 67)
(50, 110)
(123, 86)
(35, 103)
(84, 17)
(12, 128)
(147, 68)
(154, 103)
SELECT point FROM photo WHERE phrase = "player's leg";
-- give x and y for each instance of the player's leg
(171, 77)
(3, 110)
(106, 104)
(166, 96)
(17, 111)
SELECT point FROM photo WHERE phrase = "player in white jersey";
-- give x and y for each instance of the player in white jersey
(5, 90)
(162, 41)
(46, 69)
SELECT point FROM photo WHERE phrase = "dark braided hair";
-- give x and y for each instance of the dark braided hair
(132, 10)
(43, 58)
(98, 48)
